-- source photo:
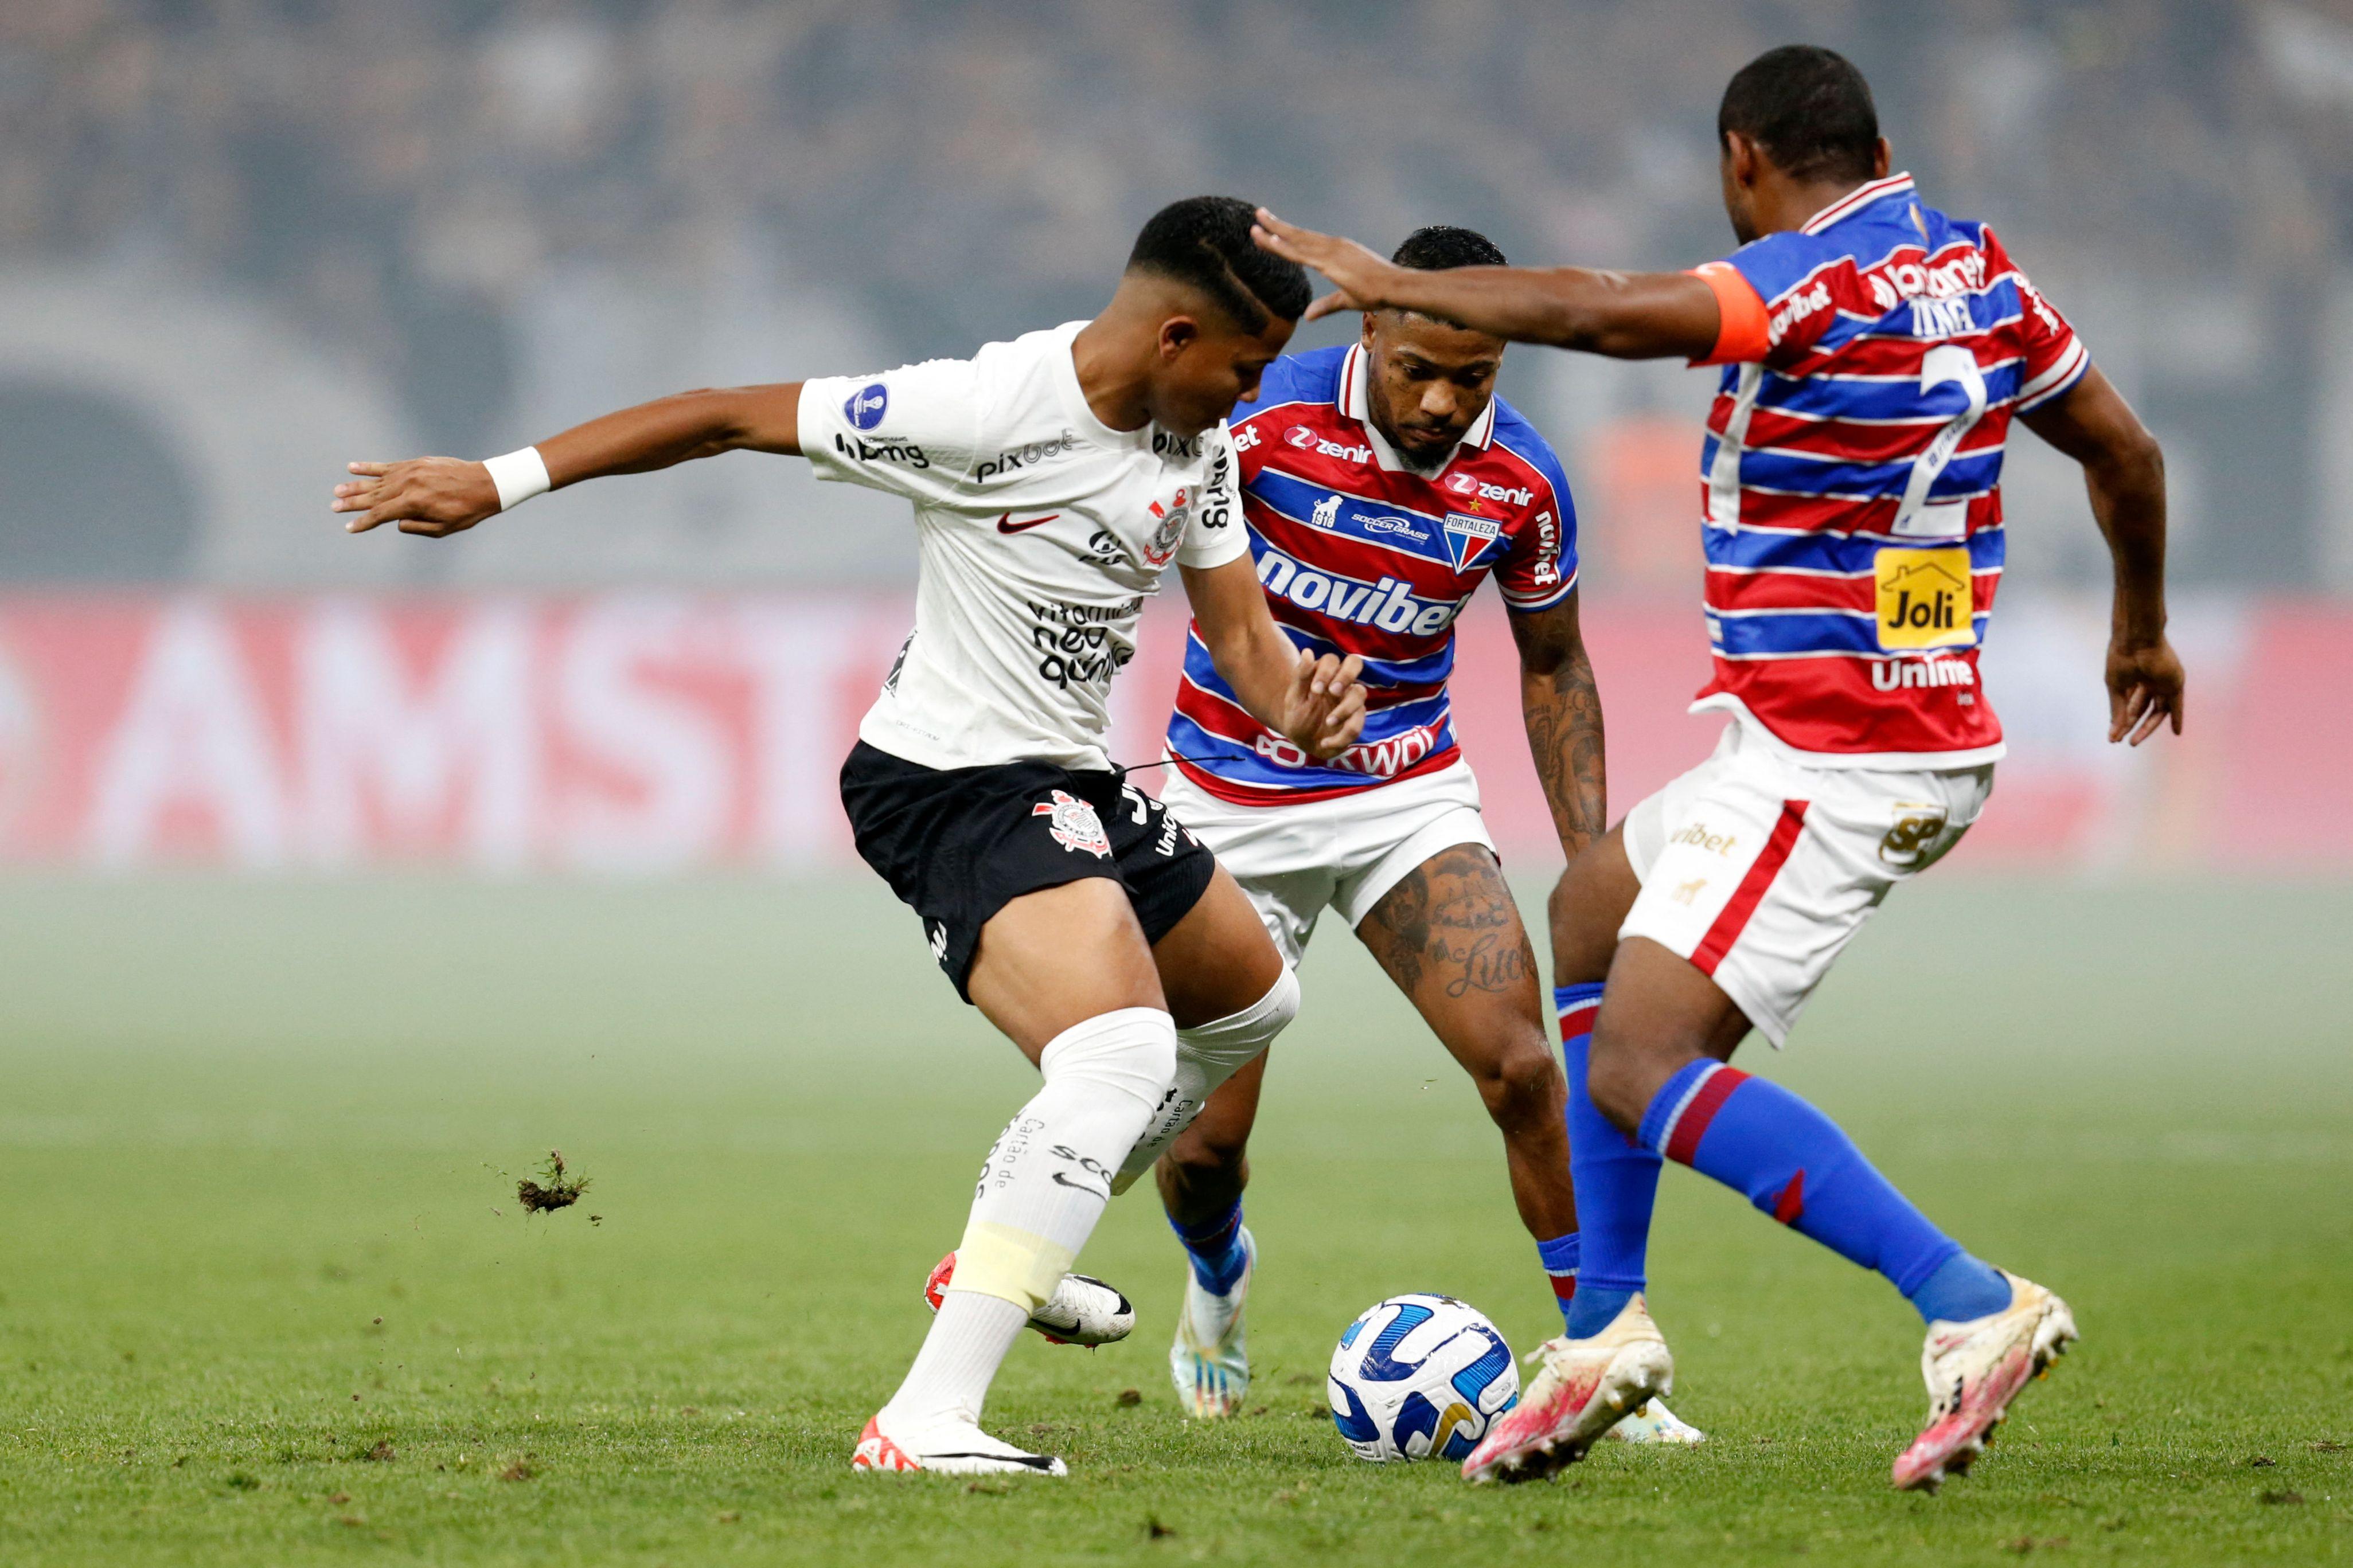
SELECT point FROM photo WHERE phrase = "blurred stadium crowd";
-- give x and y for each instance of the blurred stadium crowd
(457, 223)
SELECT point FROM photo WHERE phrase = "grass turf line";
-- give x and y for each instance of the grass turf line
(269, 1297)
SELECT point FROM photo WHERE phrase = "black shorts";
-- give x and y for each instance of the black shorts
(959, 844)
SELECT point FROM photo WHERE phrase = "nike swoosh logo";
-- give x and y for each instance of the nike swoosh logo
(1102, 1192)
(1004, 523)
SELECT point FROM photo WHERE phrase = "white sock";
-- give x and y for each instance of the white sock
(1206, 1057)
(950, 1379)
(1043, 1187)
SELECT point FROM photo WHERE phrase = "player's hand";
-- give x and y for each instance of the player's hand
(2144, 690)
(1360, 274)
(1323, 711)
(432, 496)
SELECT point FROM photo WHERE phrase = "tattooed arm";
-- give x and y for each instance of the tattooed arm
(1563, 709)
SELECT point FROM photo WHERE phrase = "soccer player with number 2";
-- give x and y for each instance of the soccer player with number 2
(1054, 478)
(1874, 351)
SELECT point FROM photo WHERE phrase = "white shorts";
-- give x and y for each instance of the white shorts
(1759, 868)
(1347, 852)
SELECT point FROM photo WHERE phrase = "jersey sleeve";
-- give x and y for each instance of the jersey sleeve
(2052, 357)
(1783, 309)
(1741, 333)
(1216, 534)
(1541, 569)
(913, 431)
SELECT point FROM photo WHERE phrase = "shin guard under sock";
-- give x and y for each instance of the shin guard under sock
(1616, 1180)
(1795, 1164)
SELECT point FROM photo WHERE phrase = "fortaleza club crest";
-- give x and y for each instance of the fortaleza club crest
(1075, 825)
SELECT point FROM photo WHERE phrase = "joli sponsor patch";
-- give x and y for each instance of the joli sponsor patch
(1923, 599)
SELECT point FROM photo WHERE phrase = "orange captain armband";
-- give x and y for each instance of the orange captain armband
(1742, 335)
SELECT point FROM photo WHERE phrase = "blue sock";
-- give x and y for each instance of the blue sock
(1558, 1257)
(1796, 1165)
(1962, 1287)
(1215, 1248)
(1617, 1181)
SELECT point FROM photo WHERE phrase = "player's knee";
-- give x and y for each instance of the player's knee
(1227, 1044)
(1618, 1078)
(1587, 905)
(1207, 1150)
(1524, 1087)
(1132, 1049)
(1206, 1164)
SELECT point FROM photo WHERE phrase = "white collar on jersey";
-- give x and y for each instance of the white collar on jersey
(1354, 375)
(1855, 201)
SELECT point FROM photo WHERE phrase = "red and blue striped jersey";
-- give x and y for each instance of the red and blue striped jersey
(1360, 554)
(1873, 360)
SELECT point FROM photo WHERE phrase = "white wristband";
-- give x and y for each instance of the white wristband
(519, 476)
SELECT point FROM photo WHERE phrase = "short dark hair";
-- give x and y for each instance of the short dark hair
(1205, 241)
(1443, 246)
(1808, 108)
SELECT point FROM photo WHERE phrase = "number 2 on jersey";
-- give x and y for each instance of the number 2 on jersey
(1917, 517)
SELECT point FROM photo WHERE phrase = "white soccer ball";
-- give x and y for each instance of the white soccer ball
(1419, 1377)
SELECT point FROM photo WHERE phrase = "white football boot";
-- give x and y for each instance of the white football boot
(1973, 1371)
(1654, 1423)
(1210, 1362)
(1083, 1310)
(1581, 1389)
(950, 1447)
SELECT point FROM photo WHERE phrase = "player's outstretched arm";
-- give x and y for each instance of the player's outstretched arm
(1625, 315)
(1562, 707)
(2124, 469)
(441, 496)
(1318, 704)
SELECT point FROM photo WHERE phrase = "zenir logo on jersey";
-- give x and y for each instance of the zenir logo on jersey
(1925, 600)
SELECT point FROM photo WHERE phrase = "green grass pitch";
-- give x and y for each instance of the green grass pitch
(266, 1295)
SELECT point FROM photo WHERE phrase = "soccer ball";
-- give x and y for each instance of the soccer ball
(1419, 1377)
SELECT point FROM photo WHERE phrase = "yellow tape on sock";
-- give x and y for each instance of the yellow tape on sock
(1016, 1266)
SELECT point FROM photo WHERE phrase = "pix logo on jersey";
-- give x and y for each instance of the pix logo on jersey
(865, 408)
(1073, 825)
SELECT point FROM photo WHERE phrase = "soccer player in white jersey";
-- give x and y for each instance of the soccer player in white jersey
(1875, 352)
(1054, 478)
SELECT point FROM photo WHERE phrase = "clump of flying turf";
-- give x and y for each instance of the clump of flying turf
(557, 1189)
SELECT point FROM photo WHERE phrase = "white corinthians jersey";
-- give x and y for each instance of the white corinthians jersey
(1041, 532)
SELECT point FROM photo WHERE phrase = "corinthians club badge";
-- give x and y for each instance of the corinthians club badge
(1074, 823)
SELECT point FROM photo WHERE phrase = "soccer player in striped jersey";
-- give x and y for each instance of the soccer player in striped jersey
(1875, 352)
(1381, 483)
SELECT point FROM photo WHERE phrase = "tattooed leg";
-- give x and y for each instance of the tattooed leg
(1450, 937)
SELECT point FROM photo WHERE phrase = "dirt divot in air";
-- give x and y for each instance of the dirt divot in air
(556, 1189)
